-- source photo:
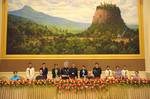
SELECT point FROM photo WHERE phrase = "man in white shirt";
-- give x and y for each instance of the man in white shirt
(108, 72)
(30, 72)
(125, 72)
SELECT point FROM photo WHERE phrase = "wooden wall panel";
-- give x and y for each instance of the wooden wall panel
(21, 64)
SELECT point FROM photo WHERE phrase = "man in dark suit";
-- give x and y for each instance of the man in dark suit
(44, 70)
(97, 71)
(40, 76)
(65, 72)
(73, 72)
(55, 71)
(83, 72)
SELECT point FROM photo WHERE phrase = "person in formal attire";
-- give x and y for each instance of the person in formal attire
(118, 73)
(108, 72)
(30, 72)
(40, 76)
(73, 72)
(44, 70)
(125, 73)
(55, 71)
(65, 72)
(83, 72)
(97, 71)
(15, 76)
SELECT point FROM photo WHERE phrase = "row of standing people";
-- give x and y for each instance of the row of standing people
(72, 72)
(65, 72)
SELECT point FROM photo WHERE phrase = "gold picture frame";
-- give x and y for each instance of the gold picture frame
(94, 56)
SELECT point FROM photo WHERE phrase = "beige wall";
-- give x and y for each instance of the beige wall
(20, 65)
(146, 4)
(0, 24)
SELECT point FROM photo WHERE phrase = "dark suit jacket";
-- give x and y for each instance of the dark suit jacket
(82, 74)
(65, 71)
(97, 72)
(73, 72)
(45, 71)
(54, 74)
(40, 77)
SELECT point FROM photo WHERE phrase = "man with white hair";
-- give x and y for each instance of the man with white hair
(65, 71)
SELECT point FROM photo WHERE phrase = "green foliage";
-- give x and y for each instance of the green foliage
(27, 37)
(109, 7)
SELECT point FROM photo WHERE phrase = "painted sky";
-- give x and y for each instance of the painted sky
(77, 10)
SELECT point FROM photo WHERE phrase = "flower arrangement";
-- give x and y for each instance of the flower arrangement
(76, 84)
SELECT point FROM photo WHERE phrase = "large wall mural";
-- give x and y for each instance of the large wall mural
(73, 27)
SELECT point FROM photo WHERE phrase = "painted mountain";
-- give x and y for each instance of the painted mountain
(41, 18)
(33, 32)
